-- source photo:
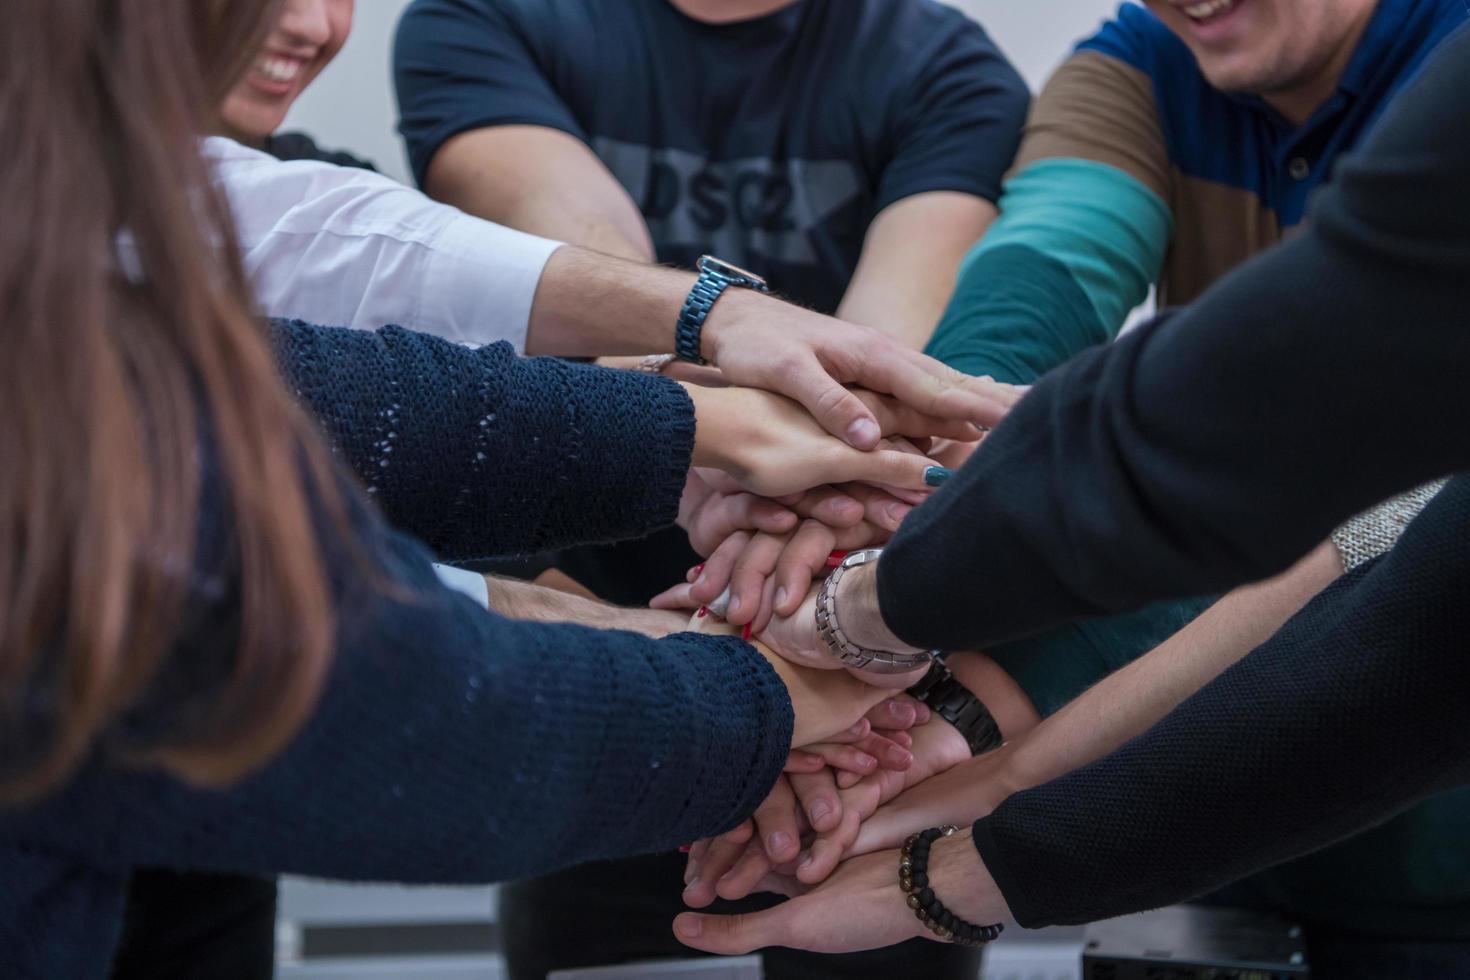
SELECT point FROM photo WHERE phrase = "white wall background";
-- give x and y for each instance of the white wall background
(351, 106)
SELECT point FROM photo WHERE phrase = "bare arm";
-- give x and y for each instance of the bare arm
(541, 181)
(1131, 701)
(538, 604)
(1117, 709)
(909, 262)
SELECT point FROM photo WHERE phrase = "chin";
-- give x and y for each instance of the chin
(1240, 79)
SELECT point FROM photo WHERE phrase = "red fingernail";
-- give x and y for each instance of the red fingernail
(745, 633)
(703, 611)
(696, 569)
(836, 558)
(685, 848)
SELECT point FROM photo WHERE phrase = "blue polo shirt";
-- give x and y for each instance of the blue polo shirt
(1239, 141)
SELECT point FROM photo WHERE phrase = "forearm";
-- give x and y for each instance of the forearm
(543, 182)
(1133, 700)
(1351, 712)
(548, 214)
(593, 305)
(909, 262)
(1118, 708)
(533, 603)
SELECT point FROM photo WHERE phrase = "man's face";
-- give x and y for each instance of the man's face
(308, 35)
(1264, 47)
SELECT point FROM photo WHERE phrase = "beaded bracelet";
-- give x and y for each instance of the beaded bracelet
(913, 878)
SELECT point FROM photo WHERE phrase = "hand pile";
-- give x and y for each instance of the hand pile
(827, 833)
(827, 836)
(770, 500)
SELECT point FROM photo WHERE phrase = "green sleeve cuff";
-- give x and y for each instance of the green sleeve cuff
(1075, 249)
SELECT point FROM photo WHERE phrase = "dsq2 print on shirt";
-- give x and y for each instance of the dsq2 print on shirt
(772, 143)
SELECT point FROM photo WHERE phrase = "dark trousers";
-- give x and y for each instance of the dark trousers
(197, 925)
(615, 912)
(1344, 956)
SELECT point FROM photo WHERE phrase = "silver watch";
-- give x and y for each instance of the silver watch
(848, 653)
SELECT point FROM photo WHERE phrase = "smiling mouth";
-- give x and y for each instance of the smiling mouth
(281, 71)
(1207, 10)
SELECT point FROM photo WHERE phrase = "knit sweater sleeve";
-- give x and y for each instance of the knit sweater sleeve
(451, 745)
(481, 453)
(1350, 714)
(1220, 446)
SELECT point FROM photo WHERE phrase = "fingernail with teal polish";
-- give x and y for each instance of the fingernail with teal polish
(937, 476)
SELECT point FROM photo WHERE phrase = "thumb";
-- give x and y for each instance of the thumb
(836, 409)
(729, 935)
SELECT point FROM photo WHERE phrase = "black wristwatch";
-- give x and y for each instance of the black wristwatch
(952, 701)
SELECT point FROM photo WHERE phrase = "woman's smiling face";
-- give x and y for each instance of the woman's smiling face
(304, 40)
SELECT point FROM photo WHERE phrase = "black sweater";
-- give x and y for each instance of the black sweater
(1215, 448)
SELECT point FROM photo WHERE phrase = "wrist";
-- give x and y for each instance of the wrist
(823, 702)
(715, 426)
(962, 882)
(734, 307)
(862, 619)
(1006, 700)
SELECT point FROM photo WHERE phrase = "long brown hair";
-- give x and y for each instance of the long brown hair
(124, 325)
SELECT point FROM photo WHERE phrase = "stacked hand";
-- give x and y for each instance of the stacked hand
(825, 836)
(823, 811)
(843, 881)
(766, 553)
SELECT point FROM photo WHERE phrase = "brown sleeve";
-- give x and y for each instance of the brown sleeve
(1097, 108)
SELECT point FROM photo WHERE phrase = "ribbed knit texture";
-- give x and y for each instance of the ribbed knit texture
(481, 453)
(450, 745)
(1350, 714)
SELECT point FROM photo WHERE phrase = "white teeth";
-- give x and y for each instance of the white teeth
(278, 69)
(1208, 9)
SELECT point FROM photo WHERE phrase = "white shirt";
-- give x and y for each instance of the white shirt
(467, 583)
(342, 247)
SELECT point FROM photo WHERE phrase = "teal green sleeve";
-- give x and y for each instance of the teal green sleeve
(1076, 248)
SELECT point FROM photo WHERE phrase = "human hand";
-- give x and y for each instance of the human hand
(732, 865)
(797, 638)
(860, 907)
(768, 573)
(771, 446)
(804, 799)
(764, 343)
(711, 517)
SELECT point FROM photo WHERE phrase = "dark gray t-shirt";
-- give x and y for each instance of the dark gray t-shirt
(772, 143)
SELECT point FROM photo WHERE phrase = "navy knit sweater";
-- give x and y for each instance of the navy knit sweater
(450, 745)
(1213, 449)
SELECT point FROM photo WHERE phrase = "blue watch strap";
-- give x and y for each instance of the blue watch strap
(708, 289)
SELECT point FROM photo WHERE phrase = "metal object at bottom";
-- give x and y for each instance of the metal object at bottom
(1194, 942)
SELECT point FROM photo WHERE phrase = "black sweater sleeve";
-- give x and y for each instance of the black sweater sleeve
(1220, 445)
(1352, 713)
(481, 453)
